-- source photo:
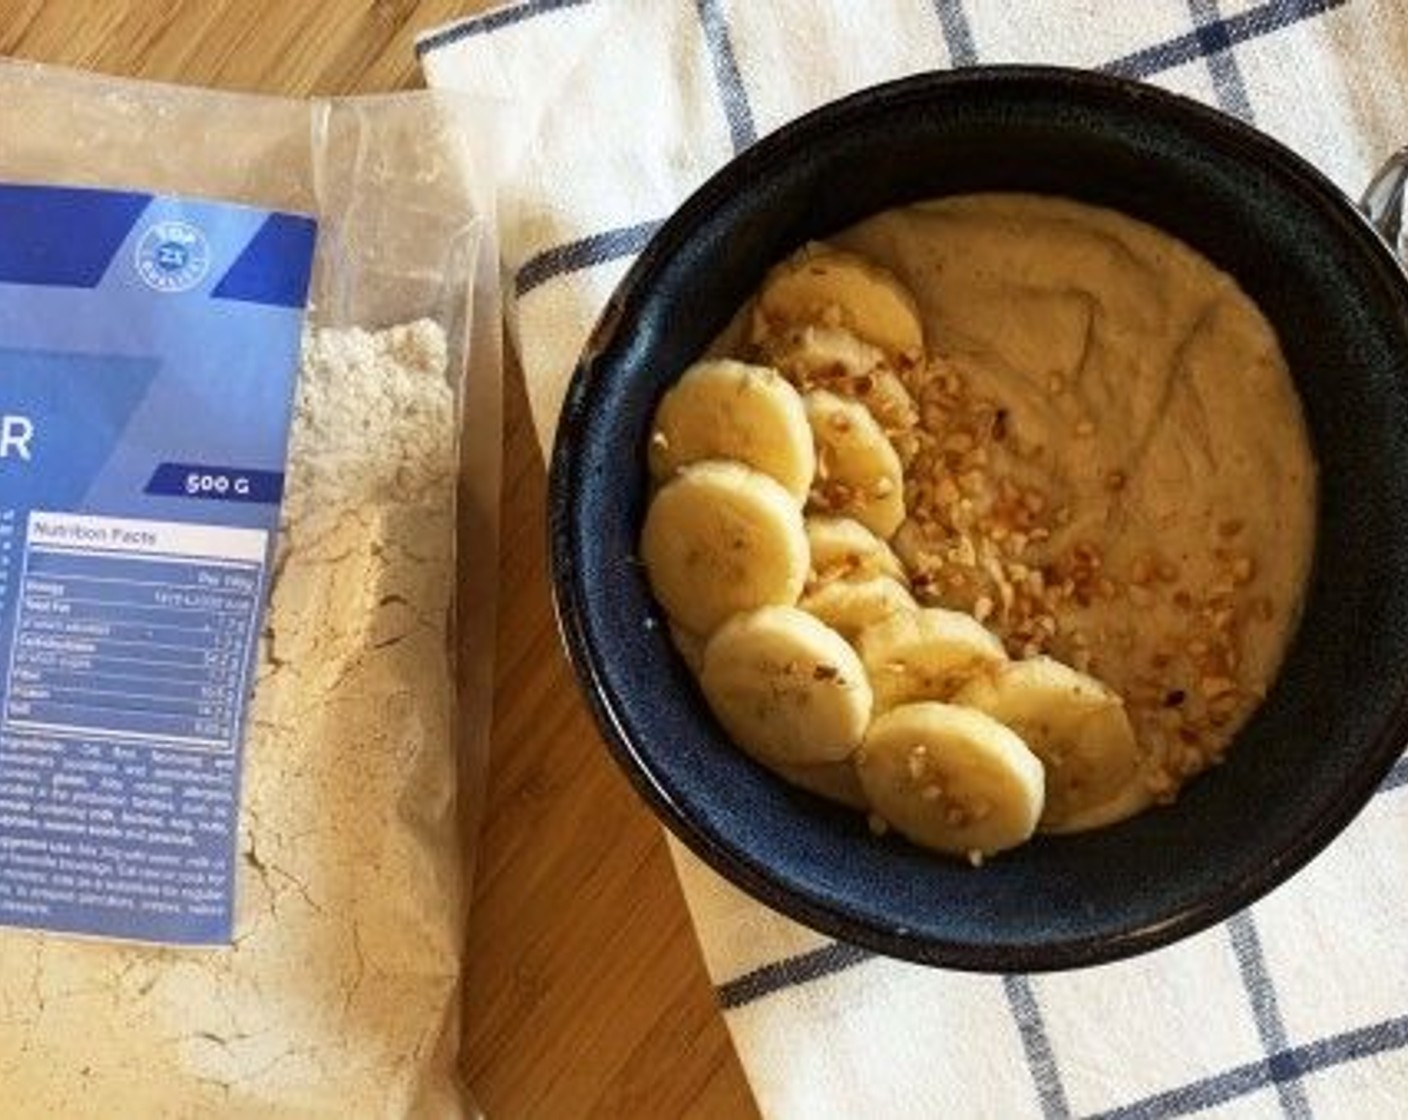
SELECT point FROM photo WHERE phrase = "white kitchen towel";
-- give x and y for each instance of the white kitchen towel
(1298, 1007)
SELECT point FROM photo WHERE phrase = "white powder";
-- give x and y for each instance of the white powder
(340, 994)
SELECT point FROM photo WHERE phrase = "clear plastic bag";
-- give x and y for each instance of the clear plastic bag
(363, 772)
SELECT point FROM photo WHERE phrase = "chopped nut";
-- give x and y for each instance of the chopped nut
(1085, 429)
(1224, 702)
(1243, 569)
(1087, 554)
(1213, 687)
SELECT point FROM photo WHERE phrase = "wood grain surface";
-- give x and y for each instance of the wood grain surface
(585, 995)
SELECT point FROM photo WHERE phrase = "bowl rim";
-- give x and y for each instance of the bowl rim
(756, 878)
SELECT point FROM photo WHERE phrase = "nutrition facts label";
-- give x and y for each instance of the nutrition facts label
(142, 648)
(122, 704)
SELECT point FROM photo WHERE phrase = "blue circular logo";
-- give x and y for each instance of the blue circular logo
(172, 257)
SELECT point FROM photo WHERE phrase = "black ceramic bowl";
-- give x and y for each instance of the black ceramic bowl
(1335, 719)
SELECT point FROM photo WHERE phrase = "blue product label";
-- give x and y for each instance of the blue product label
(148, 357)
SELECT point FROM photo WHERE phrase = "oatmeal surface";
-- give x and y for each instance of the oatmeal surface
(1111, 464)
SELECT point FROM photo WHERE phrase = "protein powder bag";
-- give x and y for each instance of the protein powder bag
(237, 795)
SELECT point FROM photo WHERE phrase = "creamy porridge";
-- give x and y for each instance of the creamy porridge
(1039, 473)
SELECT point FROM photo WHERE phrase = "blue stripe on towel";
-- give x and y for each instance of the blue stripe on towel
(958, 32)
(732, 92)
(493, 21)
(1036, 1045)
(1251, 24)
(1261, 993)
(1336, 1050)
(1227, 84)
(790, 972)
(585, 252)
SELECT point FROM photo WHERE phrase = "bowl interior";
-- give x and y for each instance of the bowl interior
(1335, 718)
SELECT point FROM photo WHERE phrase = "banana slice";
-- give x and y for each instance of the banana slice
(832, 358)
(835, 781)
(951, 779)
(720, 538)
(729, 410)
(786, 688)
(858, 474)
(819, 284)
(926, 654)
(1079, 729)
(845, 549)
(849, 606)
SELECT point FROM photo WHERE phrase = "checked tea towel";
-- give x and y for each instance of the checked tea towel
(1298, 1007)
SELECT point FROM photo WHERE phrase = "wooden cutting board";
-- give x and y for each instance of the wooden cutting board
(585, 993)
